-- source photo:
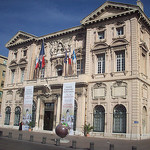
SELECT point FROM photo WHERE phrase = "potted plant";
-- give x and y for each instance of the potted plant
(31, 125)
(87, 129)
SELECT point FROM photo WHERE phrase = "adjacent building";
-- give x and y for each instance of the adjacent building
(3, 63)
(111, 74)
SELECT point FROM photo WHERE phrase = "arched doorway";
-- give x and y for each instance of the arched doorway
(99, 119)
(119, 119)
(17, 116)
(7, 115)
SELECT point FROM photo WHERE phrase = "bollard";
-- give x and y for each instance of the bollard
(57, 142)
(31, 138)
(111, 147)
(74, 144)
(44, 140)
(20, 137)
(1, 133)
(134, 148)
(91, 146)
(10, 135)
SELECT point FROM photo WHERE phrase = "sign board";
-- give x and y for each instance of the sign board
(27, 108)
(68, 104)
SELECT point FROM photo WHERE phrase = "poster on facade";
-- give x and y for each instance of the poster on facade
(68, 105)
(27, 107)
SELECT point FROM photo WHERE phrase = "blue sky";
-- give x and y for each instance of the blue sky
(41, 17)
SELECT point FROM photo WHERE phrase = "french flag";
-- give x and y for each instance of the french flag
(40, 62)
(41, 57)
(69, 58)
(37, 63)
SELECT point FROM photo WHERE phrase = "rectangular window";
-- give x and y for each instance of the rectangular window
(101, 63)
(3, 73)
(22, 74)
(24, 53)
(2, 84)
(101, 35)
(42, 72)
(1, 94)
(80, 66)
(12, 76)
(120, 60)
(5, 62)
(120, 31)
(15, 55)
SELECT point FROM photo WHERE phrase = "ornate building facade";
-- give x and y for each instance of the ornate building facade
(3, 63)
(111, 74)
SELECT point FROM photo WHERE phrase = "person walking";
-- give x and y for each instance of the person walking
(20, 126)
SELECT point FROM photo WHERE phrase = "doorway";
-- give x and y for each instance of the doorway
(49, 116)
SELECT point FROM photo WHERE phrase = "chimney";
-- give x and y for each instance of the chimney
(140, 4)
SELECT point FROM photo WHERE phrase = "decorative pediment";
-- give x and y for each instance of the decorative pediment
(22, 61)
(107, 10)
(13, 63)
(19, 38)
(119, 42)
(100, 46)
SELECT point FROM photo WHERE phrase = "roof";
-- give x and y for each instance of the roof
(109, 10)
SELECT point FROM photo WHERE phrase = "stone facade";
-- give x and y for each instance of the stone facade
(3, 63)
(111, 74)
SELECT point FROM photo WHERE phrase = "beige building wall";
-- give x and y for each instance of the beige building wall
(3, 63)
(123, 92)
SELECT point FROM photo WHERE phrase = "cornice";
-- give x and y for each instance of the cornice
(52, 35)
(110, 17)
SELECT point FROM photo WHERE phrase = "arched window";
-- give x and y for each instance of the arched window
(59, 70)
(17, 116)
(34, 113)
(99, 119)
(144, 120)
(7, 115)
(119, 119)
(75, 115)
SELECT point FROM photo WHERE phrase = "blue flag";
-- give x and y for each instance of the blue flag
(74, 57)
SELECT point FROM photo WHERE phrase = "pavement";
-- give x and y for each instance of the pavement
(81, 142)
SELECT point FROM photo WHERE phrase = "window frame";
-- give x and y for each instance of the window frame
(17, 116)
(120, 61)
(102, 63)
(103, 35)
(12, 76)
(80, 66)
(120, 31)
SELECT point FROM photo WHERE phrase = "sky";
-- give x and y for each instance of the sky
(42, 17)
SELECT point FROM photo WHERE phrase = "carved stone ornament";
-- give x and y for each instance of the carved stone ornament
(99, 91)
(58, 47)
(119, 90)
(9, 92)
(58, 61)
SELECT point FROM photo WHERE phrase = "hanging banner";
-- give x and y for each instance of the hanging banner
(68, 105)
(27, 108)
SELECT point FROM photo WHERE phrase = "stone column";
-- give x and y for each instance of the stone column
(58, 109)
(37, 113)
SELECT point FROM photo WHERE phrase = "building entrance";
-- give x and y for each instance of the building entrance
(49, 116)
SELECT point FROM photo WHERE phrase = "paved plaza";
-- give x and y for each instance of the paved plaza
(82, 143)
